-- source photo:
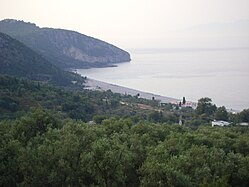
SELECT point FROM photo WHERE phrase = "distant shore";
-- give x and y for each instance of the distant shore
(92, 84)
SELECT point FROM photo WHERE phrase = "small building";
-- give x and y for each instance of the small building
(220, 123)
(91, 123)
(243, 124)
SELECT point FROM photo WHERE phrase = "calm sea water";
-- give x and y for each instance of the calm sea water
(222, 75)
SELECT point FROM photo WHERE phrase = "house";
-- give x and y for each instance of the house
(243, 124)
(187, 104)
(220, 123)
(91, 123)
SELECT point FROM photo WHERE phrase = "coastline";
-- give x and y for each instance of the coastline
(93, 84)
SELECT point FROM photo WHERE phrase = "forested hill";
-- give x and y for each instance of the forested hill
(64, 48)
(18, 60)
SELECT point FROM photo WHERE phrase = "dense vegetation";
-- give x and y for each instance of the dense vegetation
(45, 140)
(17, 96)
(18, 60)
(40, 149)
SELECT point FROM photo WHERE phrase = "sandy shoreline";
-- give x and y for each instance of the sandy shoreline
(92, 84)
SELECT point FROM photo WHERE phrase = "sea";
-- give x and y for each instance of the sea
(220, 74)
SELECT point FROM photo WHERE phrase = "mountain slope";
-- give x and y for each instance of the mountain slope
(18, 60)
(67, 49)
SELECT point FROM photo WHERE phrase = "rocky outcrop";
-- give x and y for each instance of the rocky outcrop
(64, 48)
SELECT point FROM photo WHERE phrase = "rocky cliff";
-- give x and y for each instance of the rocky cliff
(64, 48)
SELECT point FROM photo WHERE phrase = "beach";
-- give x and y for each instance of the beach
(93, 84)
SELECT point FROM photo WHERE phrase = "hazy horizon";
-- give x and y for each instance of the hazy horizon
(142, 24)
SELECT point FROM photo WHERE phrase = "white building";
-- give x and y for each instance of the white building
(243, 124)
(220, 123)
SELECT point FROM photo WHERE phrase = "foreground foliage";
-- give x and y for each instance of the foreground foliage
(40, 149)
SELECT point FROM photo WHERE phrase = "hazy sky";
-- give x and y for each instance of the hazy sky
(135, 23)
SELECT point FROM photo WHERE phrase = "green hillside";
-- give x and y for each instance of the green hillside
(18, 96)
(18, 60)
(64, 48)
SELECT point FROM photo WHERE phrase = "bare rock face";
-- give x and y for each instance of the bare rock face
(64, 48)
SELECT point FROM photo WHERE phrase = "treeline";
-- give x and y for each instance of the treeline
(18, 96)
(43, 149)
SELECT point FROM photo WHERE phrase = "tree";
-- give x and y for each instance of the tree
(180, 104)
(205, 106)
(35, 123)
(183, 101)
(99, 118)
(221, 114)
(244, 115)
(108, 160)
(155, 116)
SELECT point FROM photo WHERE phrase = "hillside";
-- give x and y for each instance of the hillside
(18, 96)
(18, 60)
(64, 48)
